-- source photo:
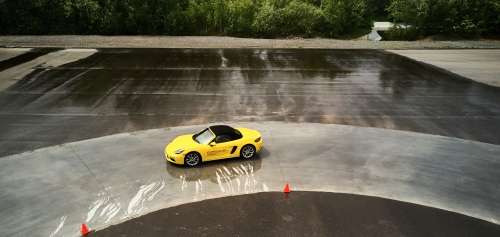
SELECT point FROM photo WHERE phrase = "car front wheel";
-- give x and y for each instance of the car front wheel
(192, 159)
(247, 151)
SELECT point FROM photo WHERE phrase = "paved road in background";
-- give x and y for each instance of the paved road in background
(124, 90)
(479, 65)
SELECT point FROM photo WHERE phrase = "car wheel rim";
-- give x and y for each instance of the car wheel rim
(192, 159)
(247, 152)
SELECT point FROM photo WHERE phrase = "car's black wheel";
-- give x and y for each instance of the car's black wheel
(247, 151)
(192, 159)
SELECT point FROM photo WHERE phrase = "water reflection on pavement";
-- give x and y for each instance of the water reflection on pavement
(127, 90)
(232, 175)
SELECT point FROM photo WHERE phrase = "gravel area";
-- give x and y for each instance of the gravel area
(94, 41)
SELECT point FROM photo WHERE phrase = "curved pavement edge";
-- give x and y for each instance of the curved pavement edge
(106, 180)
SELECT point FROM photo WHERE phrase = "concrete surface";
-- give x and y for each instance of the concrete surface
(106, 180)
(478, 65)
(382, 26)
(12, 75)
(12, 52)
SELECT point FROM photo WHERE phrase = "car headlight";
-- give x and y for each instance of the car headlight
(257, 140)
(179, 151)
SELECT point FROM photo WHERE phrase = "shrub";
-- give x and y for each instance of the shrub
(241, 18)
(244, 18)
(298, 18)
(342, 16)
(465, 18)
(400, 33)
(265, 23)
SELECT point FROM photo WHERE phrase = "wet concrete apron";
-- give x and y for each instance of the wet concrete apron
(110, 179)
(128, 90)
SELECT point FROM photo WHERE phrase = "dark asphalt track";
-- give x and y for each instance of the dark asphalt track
(302, 214)
(126, 90)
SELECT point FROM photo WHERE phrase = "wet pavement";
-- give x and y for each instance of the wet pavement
(299, 100)
(127, 90)
(108, 180)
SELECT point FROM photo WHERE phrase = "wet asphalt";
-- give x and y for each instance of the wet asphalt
(301, 214)
(126, 90)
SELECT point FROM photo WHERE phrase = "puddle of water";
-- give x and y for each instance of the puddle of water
(231, 175)
(146, 193)
(105, 208)
(102, 211)
(217, 172)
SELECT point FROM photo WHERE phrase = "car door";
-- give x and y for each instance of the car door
(220, 148)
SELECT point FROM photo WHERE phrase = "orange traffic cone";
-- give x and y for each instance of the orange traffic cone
(84, 231)
(287, 189)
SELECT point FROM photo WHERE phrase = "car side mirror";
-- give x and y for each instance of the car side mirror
(213, 144)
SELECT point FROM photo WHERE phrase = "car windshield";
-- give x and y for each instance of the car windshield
(204, 136)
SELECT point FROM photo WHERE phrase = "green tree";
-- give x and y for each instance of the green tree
(469, 18)
(244, 18)
(180, 20)
(32, 17)
(300, 18)
(81, 16)
(342, 16)
(241, 17)
(265, 23)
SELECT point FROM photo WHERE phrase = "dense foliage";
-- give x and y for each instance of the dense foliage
(244, 18)
(248, 18)
(467, 18)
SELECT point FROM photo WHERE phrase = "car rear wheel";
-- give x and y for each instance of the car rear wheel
(247, 151)
(192, 159)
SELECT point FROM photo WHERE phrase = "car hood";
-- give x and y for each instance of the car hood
(184, 141)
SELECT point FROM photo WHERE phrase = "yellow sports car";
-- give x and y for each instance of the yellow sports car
(214, 143)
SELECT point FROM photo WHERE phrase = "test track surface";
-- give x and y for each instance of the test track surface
(106, 180)
(364, 122)
(57, 98)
